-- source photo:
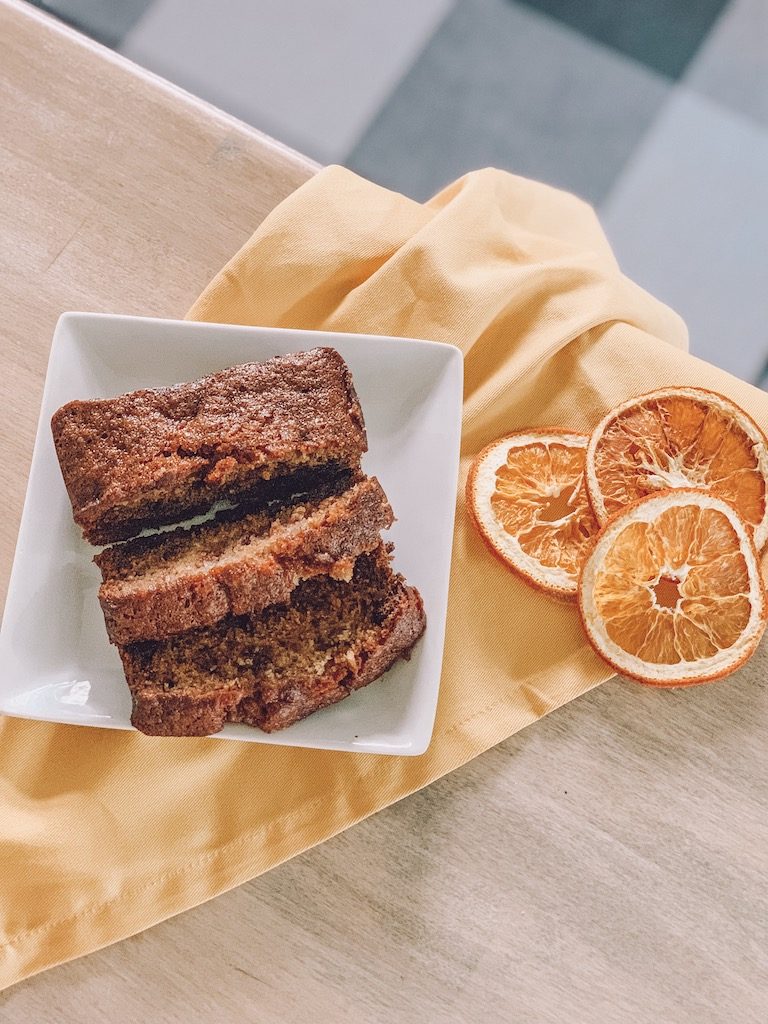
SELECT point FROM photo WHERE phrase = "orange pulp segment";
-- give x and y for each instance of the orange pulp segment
(680, 437)
(672, 592)
(526, 494)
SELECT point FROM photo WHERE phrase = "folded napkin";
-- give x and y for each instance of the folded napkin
(105, 833)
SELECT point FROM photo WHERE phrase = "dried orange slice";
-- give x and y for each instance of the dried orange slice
(671, 593)
(680, 437)
(526, 494)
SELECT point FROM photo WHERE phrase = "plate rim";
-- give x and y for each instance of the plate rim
(452, 359)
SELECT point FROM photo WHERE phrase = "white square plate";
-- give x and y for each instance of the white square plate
(56, 663)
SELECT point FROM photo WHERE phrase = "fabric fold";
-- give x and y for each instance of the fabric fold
(106, 833)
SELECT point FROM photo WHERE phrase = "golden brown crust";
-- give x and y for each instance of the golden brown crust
(281, 665)
(159, 586)
(161, 714)
(154, 456)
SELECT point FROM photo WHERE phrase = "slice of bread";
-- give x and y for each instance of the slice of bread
(259, 431)
(156, 587)
(274, 668)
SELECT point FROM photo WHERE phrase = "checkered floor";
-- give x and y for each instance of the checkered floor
(656, 111)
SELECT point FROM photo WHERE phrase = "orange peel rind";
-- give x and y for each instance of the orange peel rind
(679, 437)
(526, 495)
(671, 593)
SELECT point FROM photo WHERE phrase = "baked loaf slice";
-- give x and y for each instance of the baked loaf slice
(271, 669)
(155, 587)
(261, 430)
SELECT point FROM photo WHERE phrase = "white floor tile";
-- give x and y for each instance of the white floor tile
(310, 72)
(732, 65)
(505, 85)
(688, 219)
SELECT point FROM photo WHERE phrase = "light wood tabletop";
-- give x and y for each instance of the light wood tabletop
(605, 865)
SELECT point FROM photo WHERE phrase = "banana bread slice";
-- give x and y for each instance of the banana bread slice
(260, 430)
(271, 669)
(155, 587)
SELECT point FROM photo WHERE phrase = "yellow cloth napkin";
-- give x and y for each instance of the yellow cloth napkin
(104, 833)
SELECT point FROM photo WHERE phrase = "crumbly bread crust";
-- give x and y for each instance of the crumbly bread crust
(371, 658)
(159, 586)
(274, 668)
(152, 457)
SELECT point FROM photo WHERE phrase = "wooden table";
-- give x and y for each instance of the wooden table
(606, 865)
